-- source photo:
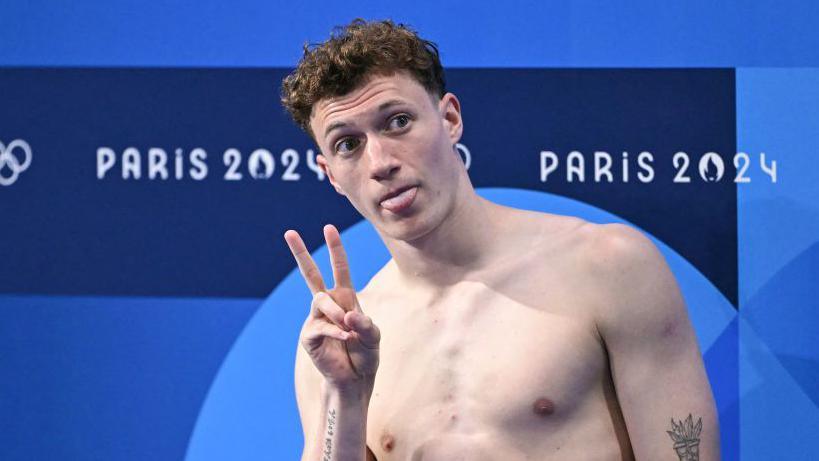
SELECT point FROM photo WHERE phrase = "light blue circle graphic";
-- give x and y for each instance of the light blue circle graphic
(250, 410)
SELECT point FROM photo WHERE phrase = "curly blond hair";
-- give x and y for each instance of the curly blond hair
(352, 54)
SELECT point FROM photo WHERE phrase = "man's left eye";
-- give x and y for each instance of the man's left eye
(399, 121)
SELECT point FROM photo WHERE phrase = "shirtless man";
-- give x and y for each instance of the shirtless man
(493, 333)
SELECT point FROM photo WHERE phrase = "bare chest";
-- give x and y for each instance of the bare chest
(494, 361)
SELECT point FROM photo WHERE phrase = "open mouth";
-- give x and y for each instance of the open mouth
(400, 200)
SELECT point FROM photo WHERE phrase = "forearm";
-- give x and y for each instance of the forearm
(342, 429)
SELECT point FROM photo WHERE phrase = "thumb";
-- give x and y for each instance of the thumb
(368, 333)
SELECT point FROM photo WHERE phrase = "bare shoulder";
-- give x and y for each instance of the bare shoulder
(637, 290)
(616, 243)
(619, 254)
(611, 259)
(540, 231)
(545, 222)
(600, 255)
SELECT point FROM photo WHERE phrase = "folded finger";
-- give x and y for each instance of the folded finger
(314, 336)
(324, 304)
(368, 333)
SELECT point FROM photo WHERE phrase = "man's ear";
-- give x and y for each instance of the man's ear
(450, 109)
(325, 167)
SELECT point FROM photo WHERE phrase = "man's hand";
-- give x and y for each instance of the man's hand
(341, 341)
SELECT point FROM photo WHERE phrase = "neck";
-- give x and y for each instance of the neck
(462, 243)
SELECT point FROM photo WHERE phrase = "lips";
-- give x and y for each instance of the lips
(399, 199)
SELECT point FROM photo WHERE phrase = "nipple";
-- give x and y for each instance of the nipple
(543, 407)
(387, 442)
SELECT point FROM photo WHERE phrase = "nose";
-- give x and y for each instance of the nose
(383, 164)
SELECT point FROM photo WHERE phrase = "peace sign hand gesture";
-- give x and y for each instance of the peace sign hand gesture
(341, 341)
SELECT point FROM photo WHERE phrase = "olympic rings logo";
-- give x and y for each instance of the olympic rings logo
(10, 160)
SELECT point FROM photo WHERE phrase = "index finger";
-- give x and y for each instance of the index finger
(307, 267)
(338, 257)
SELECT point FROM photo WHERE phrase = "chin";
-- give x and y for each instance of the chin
(409, 229)
(405, 233)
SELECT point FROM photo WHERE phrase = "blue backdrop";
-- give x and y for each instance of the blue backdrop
(149, 308)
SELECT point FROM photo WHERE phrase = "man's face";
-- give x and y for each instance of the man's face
(388, 146)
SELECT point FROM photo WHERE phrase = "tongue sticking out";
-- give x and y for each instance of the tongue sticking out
(401, 201)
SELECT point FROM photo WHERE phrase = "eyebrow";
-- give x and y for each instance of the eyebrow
(382, 107)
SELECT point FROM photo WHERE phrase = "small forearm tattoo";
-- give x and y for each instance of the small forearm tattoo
(328, 440)
(686, 437)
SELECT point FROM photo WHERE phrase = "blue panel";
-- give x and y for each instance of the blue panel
(778, 234)
(778, 419)
(722, 364)
(639, 33)
(784, 315)
(778, 114)
(76, 228)
(108, 378)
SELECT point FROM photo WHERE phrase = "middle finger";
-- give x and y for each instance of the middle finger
(338, 257)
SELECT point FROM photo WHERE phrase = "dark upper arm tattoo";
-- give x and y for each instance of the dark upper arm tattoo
(686, 437)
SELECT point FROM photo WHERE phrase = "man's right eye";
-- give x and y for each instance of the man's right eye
(346, 145)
